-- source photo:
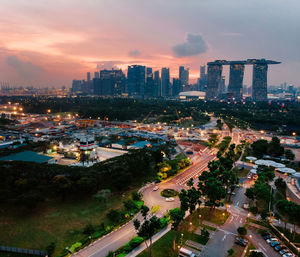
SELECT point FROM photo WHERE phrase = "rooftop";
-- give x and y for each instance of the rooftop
(27, 156)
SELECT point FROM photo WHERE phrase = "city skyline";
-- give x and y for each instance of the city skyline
(41, 51)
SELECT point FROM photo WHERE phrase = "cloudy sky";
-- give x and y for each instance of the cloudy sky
(48, 43)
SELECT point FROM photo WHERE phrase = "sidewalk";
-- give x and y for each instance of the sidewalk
(136, 251)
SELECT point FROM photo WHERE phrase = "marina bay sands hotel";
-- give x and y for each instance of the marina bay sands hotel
(236, 75)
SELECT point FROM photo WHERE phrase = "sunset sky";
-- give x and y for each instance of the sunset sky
(49, 43)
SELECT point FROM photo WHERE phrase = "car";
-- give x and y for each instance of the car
(274, 243)
(278, 248)
(170, 199)
(288, 255)
(267, 236)
(241, 241)
(284, 251)
(155, 188)
(271, 239)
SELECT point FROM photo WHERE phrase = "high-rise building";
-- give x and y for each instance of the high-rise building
(76, 86)
(222, 87)
(149, 89)
(259, 86)
(157, 84)
(235, 87)
(136, 80)
(214, 74)
(165, 82)
(184, 75)
(88, 76)
(202, 72)
(177, 87)
(110, 83)
(202, 82)
(97, 75)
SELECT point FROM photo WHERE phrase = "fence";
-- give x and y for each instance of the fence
(21, 250)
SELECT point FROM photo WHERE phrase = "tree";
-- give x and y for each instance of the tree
(242, 231)
(275, 148)
(136, 196)
(219, 124)
(213, 189)
(260, 148)
(230, 252)
(88, 229)
(204, 234)
(289, 154)
(147, 228)
(189, 198)
(280, 185)
(114, 216)
(50, 249)
(129, 205)
(176, 216)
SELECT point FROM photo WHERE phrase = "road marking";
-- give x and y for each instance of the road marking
(238, 203)
(224, 237)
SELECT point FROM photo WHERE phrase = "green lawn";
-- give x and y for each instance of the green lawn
(162, 247)
(60, 222)
(241, 173)
(216, 216)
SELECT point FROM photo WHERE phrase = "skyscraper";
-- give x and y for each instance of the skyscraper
(259, 86)
(149, 89)
(203, 79)
(177, 87)
(111, 83)
(157, 84)
(184, 75)
(165, 82)
(97, 75)
(214, 74)
(235, 87)
(88, 76)
(136, 80)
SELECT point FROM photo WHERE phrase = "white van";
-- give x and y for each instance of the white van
(183, 252)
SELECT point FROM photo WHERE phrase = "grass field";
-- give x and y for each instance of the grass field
(163, 247)
(60, 222)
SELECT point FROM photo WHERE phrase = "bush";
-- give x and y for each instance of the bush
(50, 249)
(204, 234)
(137, 240)
(253, 209)
(127, 247)
(139, 204)
(163, 222)
(168, 193)
(88, 229)
(136, 196)
(242, 231)
(114, 216)
(230, 252)
(75, 246)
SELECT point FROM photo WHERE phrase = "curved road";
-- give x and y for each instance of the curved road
(121, 236)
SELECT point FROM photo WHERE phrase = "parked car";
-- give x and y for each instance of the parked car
(278, 248)
(241, 241)
(284, 251)
(274, 243)
(267, 236)
(170, 199)
(288, 255)
(271, 239)
(155, 188)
